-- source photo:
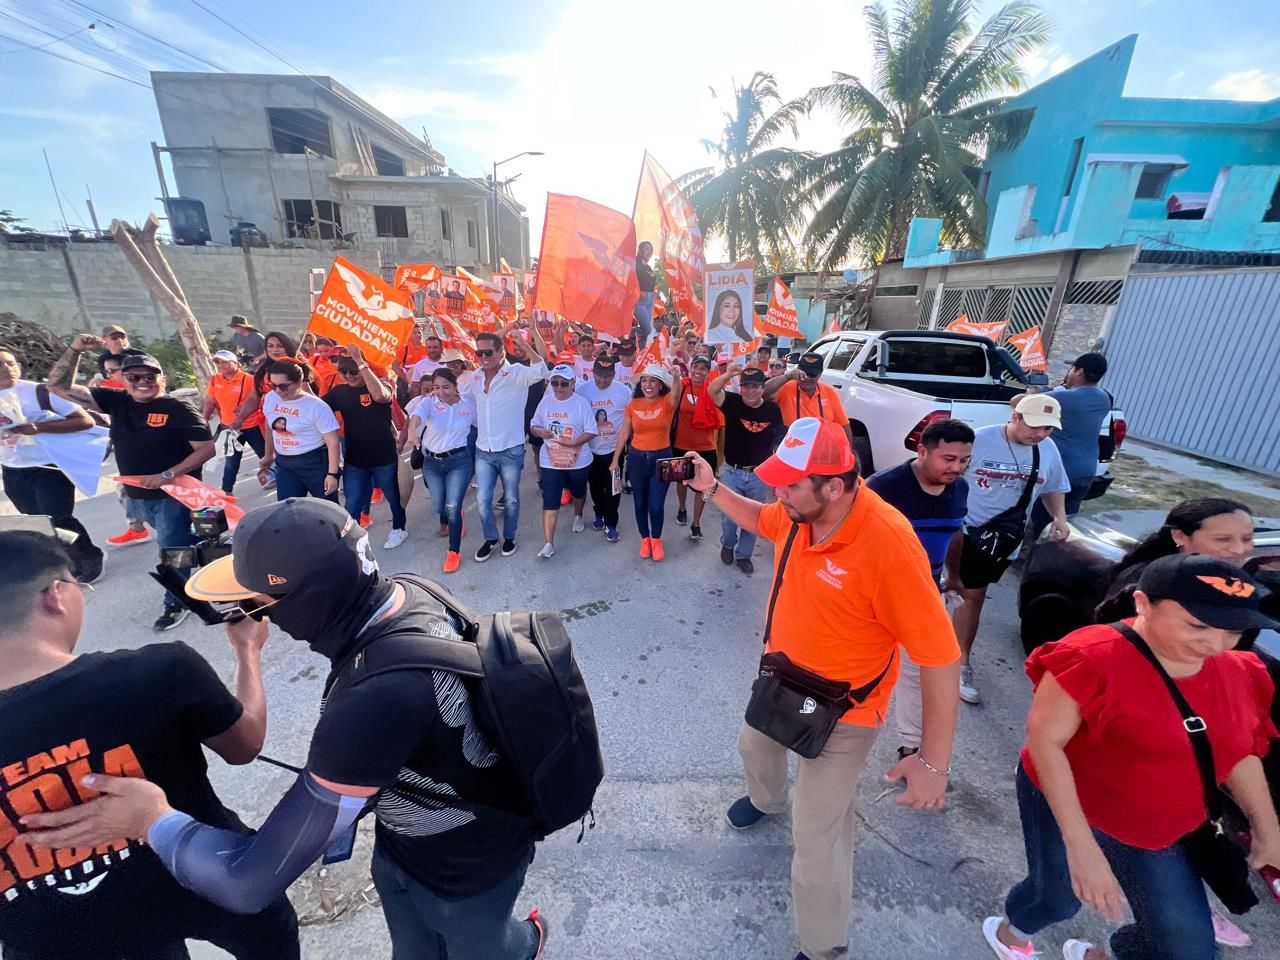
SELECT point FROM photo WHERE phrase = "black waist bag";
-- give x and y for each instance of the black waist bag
(794, 706)
(998, 539)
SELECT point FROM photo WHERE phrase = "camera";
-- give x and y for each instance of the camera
(213, 541)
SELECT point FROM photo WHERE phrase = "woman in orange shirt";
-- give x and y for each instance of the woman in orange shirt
(647, 424)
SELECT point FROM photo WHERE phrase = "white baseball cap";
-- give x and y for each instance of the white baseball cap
(564, 371)
(658, 372)
(1040, 410)
(811, 446)
(226, 355)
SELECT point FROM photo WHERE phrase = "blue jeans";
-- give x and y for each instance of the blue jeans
(644, 316)
(447, 481)
(358, 484)
(303, 474)
(508, 463)
(746, 483)
(1171, 914)
(172, 524)
(648, 493)
(231, 466)
(424, 926)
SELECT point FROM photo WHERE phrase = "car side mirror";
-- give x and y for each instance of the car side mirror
(794, 356)
(1037, 379)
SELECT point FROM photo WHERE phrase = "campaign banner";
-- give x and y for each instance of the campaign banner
(664, 217)
(730, 292)
(454, 294)
(587, 264)
(992, 330)
(455, 336)
(194, 495)
(1030, 349)
(781, 319)
(412, 277)
(357, 307)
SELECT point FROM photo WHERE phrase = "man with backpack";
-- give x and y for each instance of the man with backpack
(468, 741)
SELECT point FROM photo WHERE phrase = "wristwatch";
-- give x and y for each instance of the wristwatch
(334, 475)
(167, 474)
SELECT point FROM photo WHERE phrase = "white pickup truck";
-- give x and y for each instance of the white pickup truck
(894, 383)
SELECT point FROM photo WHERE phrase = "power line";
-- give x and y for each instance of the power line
(138, 30)
(31, 46)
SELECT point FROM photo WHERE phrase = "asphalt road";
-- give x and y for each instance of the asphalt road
(668, 651)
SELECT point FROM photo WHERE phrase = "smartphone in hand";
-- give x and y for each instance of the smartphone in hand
(675, 470)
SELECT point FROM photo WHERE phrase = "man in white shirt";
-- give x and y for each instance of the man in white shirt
(999, 472)
(32, 482)
(428, 364)
(608, 399)
(586, 358)
(500, 390)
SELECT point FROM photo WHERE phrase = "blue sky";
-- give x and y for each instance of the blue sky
(592, 84)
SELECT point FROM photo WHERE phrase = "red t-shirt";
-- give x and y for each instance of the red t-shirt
(1132, 761)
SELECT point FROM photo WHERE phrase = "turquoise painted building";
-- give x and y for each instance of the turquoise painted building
(1099, 169)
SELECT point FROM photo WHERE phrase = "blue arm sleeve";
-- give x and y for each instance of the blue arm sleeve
(242, 872)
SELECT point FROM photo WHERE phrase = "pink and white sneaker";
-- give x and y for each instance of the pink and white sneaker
(1076, 950)
(990, 928)
(1227, 934)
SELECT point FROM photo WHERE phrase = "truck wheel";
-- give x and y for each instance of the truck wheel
(1048, 617)
(862, 450)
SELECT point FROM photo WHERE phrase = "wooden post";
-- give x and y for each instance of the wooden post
(140, 249)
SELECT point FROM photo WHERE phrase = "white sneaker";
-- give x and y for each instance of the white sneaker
(578, 525)
(395, 538)
(547, 551)
(990, 927)
(1076, 949)
(968, 689)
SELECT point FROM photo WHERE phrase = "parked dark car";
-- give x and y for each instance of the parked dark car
(1062, 582)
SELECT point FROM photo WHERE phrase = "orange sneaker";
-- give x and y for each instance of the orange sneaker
(365, 519)
(130, 537)
(377, 495)
(655, 547)
(644, 549)
(565, 497)
(451, 561)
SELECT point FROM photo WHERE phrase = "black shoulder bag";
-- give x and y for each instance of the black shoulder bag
(794, 706)
(1212, 848)
(999, 538)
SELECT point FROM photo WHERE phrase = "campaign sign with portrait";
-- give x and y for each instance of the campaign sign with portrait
(729, 292)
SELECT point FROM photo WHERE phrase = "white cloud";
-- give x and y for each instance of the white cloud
(1252, 84)
(1040, 67)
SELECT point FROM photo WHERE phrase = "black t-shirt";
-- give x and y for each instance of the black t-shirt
(750, 433)
(136, 713)
(150, 437)
(370, 435)
(416, 729)
(645, 277)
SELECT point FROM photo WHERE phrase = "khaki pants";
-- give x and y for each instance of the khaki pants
(908, 705)
(823, 815)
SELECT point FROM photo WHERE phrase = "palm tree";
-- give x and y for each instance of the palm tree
(737, 198)
(919, 133)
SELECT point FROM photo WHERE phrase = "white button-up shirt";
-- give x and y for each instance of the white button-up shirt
(500, 405)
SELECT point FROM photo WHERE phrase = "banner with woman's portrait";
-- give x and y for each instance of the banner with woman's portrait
(729, 292)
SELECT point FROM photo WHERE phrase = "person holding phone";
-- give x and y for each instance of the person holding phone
(608, 399)
(564, 422)
(646, 424)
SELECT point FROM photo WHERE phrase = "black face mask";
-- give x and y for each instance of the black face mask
(329, 609)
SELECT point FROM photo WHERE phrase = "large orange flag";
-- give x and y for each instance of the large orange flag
(1030, 349)
(666, 219)
(587, 264)
(781, 320)
(658, 350)
(991, 330)
(412, 277)
(357, 307)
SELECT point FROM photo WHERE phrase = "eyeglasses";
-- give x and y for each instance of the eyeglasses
(281, 385)
(485, 353)
(85, 588)
(141, 377)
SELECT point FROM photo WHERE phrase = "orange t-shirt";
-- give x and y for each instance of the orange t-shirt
(326, 375)
(824, 404)
(410, 354)
(846, 605)
(650, 423)
(228, 395)
(689, 437)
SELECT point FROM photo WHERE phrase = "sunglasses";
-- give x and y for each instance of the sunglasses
(561, 383)
(141, 377)
(349, 371)
(281, 385)
(485, 353)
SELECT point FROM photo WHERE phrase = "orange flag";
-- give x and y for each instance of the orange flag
(587, 264)
(357, 307)
(658, 350)
(458, 338)
(195, 494)
(666, 219)
(781, 320)
(1030, 349)
(833, 326)
(412, 277)
(744, 347)
(991, 330)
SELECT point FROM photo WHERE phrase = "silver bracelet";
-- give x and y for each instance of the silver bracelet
(707, 495)
(930, 767)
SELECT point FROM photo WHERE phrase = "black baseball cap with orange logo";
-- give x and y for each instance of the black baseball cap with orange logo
(1217, 593)
(275, 548)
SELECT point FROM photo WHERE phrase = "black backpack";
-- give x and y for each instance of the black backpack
(528, 693)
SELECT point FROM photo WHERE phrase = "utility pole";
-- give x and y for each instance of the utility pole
(93, 214)
(61, 214)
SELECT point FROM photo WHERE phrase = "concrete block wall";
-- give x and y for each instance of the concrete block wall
(34, 284)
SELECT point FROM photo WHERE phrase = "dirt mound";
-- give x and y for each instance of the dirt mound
(34, 346)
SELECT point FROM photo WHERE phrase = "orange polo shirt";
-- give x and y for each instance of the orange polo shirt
(846, 605)
(650, 423)
(795, 403)
(228, 395)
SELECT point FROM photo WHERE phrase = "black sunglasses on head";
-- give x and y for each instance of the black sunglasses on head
(141, 377)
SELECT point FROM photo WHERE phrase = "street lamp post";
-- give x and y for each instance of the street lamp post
(495, 254)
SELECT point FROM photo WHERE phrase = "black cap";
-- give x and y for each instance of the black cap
(603, 365)
(276, 547)
(1093, 364)
(811, 363)
(753, 375)
(627, 344)
(1213, 591)
(145, 361)
(700, 358)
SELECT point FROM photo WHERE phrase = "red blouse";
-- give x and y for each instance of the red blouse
(1132, 760)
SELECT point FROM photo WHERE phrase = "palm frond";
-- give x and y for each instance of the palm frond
(991, 63)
